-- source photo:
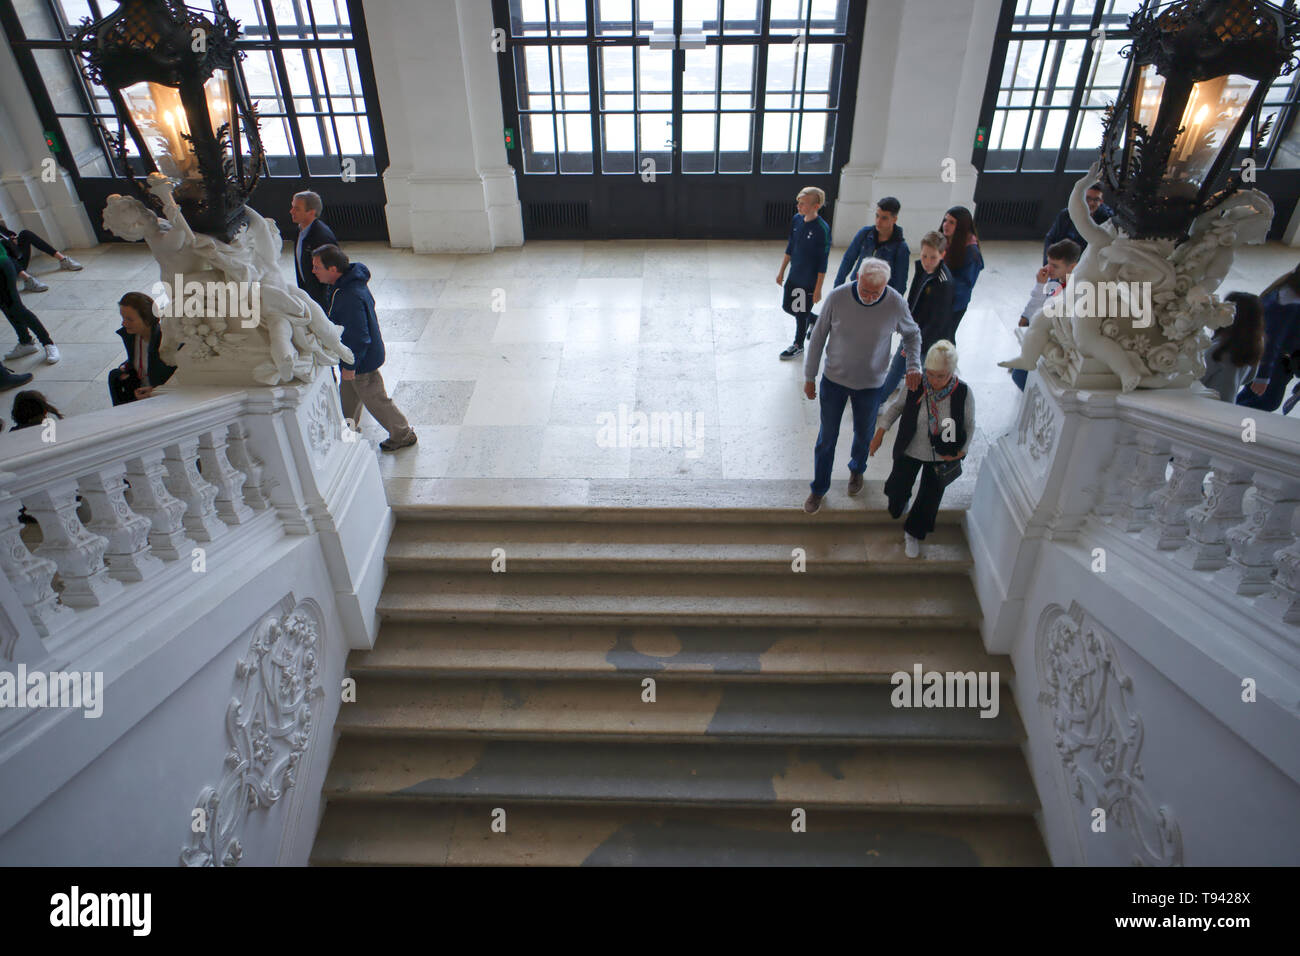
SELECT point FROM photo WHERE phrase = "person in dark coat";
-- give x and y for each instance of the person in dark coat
(144, 370)
(963, 258)
(929, 300)
(1063, 225)
(19, 246)
(1281, 361)
(305, 211)
(351, 305)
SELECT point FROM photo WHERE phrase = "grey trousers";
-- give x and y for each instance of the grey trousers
(367, 392)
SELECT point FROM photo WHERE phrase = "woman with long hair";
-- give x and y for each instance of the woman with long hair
(1281, 359)
(1233, 357)
(141, 332)
(963, 259)
(31, 408)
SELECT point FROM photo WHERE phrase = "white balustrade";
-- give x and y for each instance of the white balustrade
(152, 486)
(1227, 506)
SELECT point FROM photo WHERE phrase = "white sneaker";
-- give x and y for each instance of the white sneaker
(911, 545)
(32, 284)
(19, 350)
(51, 354)
(69, 264)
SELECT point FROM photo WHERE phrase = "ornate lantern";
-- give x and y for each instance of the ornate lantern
(172, 74)
(1198, 72)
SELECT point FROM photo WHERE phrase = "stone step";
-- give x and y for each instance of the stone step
(684, 711)
(914, 779)
(867, 511)
(457, 834)
(545, 652)
(686, 548)
(795, 600)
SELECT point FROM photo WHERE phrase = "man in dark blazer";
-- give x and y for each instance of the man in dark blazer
(305, 211)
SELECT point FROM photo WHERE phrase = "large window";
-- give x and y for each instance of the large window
(759, 91)
(1061, 67)
(301, 69)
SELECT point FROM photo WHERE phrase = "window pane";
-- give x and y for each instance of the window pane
(619, 146)
(778, 142)
(656, 141)
(538, 137)
(736, 140)
(698, 142)
(650, 12)
(575, 143)
(654, 74)
(532, 78)
(615, 18)
(816, 142)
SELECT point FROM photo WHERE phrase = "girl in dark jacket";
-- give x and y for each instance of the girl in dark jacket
(963, 258)
(141, 332)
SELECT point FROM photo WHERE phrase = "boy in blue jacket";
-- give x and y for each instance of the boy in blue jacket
(350, 304)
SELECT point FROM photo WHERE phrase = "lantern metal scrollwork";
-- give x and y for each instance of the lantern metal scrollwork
(172, 73)
(1198, 73)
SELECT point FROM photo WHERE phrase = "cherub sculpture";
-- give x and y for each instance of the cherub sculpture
(1159, 346)
(298, 336)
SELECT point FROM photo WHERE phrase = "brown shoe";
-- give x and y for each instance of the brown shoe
(389, 444)
(813, 504)
(855, 482)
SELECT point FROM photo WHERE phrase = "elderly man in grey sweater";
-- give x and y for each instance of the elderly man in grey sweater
(855, 330)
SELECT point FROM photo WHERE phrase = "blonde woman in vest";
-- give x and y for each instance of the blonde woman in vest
(936, 421)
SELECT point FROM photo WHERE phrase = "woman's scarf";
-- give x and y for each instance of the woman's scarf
(933, 398)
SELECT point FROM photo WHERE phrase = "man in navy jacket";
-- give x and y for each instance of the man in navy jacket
(885, 241)
(351, 305)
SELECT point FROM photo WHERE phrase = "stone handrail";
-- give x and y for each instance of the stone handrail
(158, 482)
(1226, 506)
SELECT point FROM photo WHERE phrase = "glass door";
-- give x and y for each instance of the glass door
(674, 118)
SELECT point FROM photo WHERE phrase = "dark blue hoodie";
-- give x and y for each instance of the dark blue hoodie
(865, 245)
(351, 305)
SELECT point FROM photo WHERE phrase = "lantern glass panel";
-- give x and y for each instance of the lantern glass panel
(1214, 108)
(1150, 91)
(220, 102)
(160, 117)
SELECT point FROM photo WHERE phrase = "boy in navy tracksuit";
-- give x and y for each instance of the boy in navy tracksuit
(806, 254)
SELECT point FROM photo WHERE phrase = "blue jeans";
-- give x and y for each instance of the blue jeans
(866, 402)
(1272, 398)
(897, 369)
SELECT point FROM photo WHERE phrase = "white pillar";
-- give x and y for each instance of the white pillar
(449, 186)
(27, 201)
(924, 68)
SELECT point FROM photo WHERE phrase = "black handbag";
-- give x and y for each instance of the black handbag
(947, 471)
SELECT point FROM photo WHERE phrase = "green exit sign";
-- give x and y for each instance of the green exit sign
(52, 141)
(510, 137)
(981, 137)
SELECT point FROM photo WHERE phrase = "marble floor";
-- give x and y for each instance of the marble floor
(508, 364)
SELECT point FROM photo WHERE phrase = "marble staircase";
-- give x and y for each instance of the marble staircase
(518, 695)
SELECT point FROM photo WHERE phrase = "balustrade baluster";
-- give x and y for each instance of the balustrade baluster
(1145, 478)
(29, 574)
(151, 499)
(1208, 522)
(1183, 491)
(78, 554)
(184, 482)
(257, 493)
(228, 480)
(1254, 542)
(127, 533)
